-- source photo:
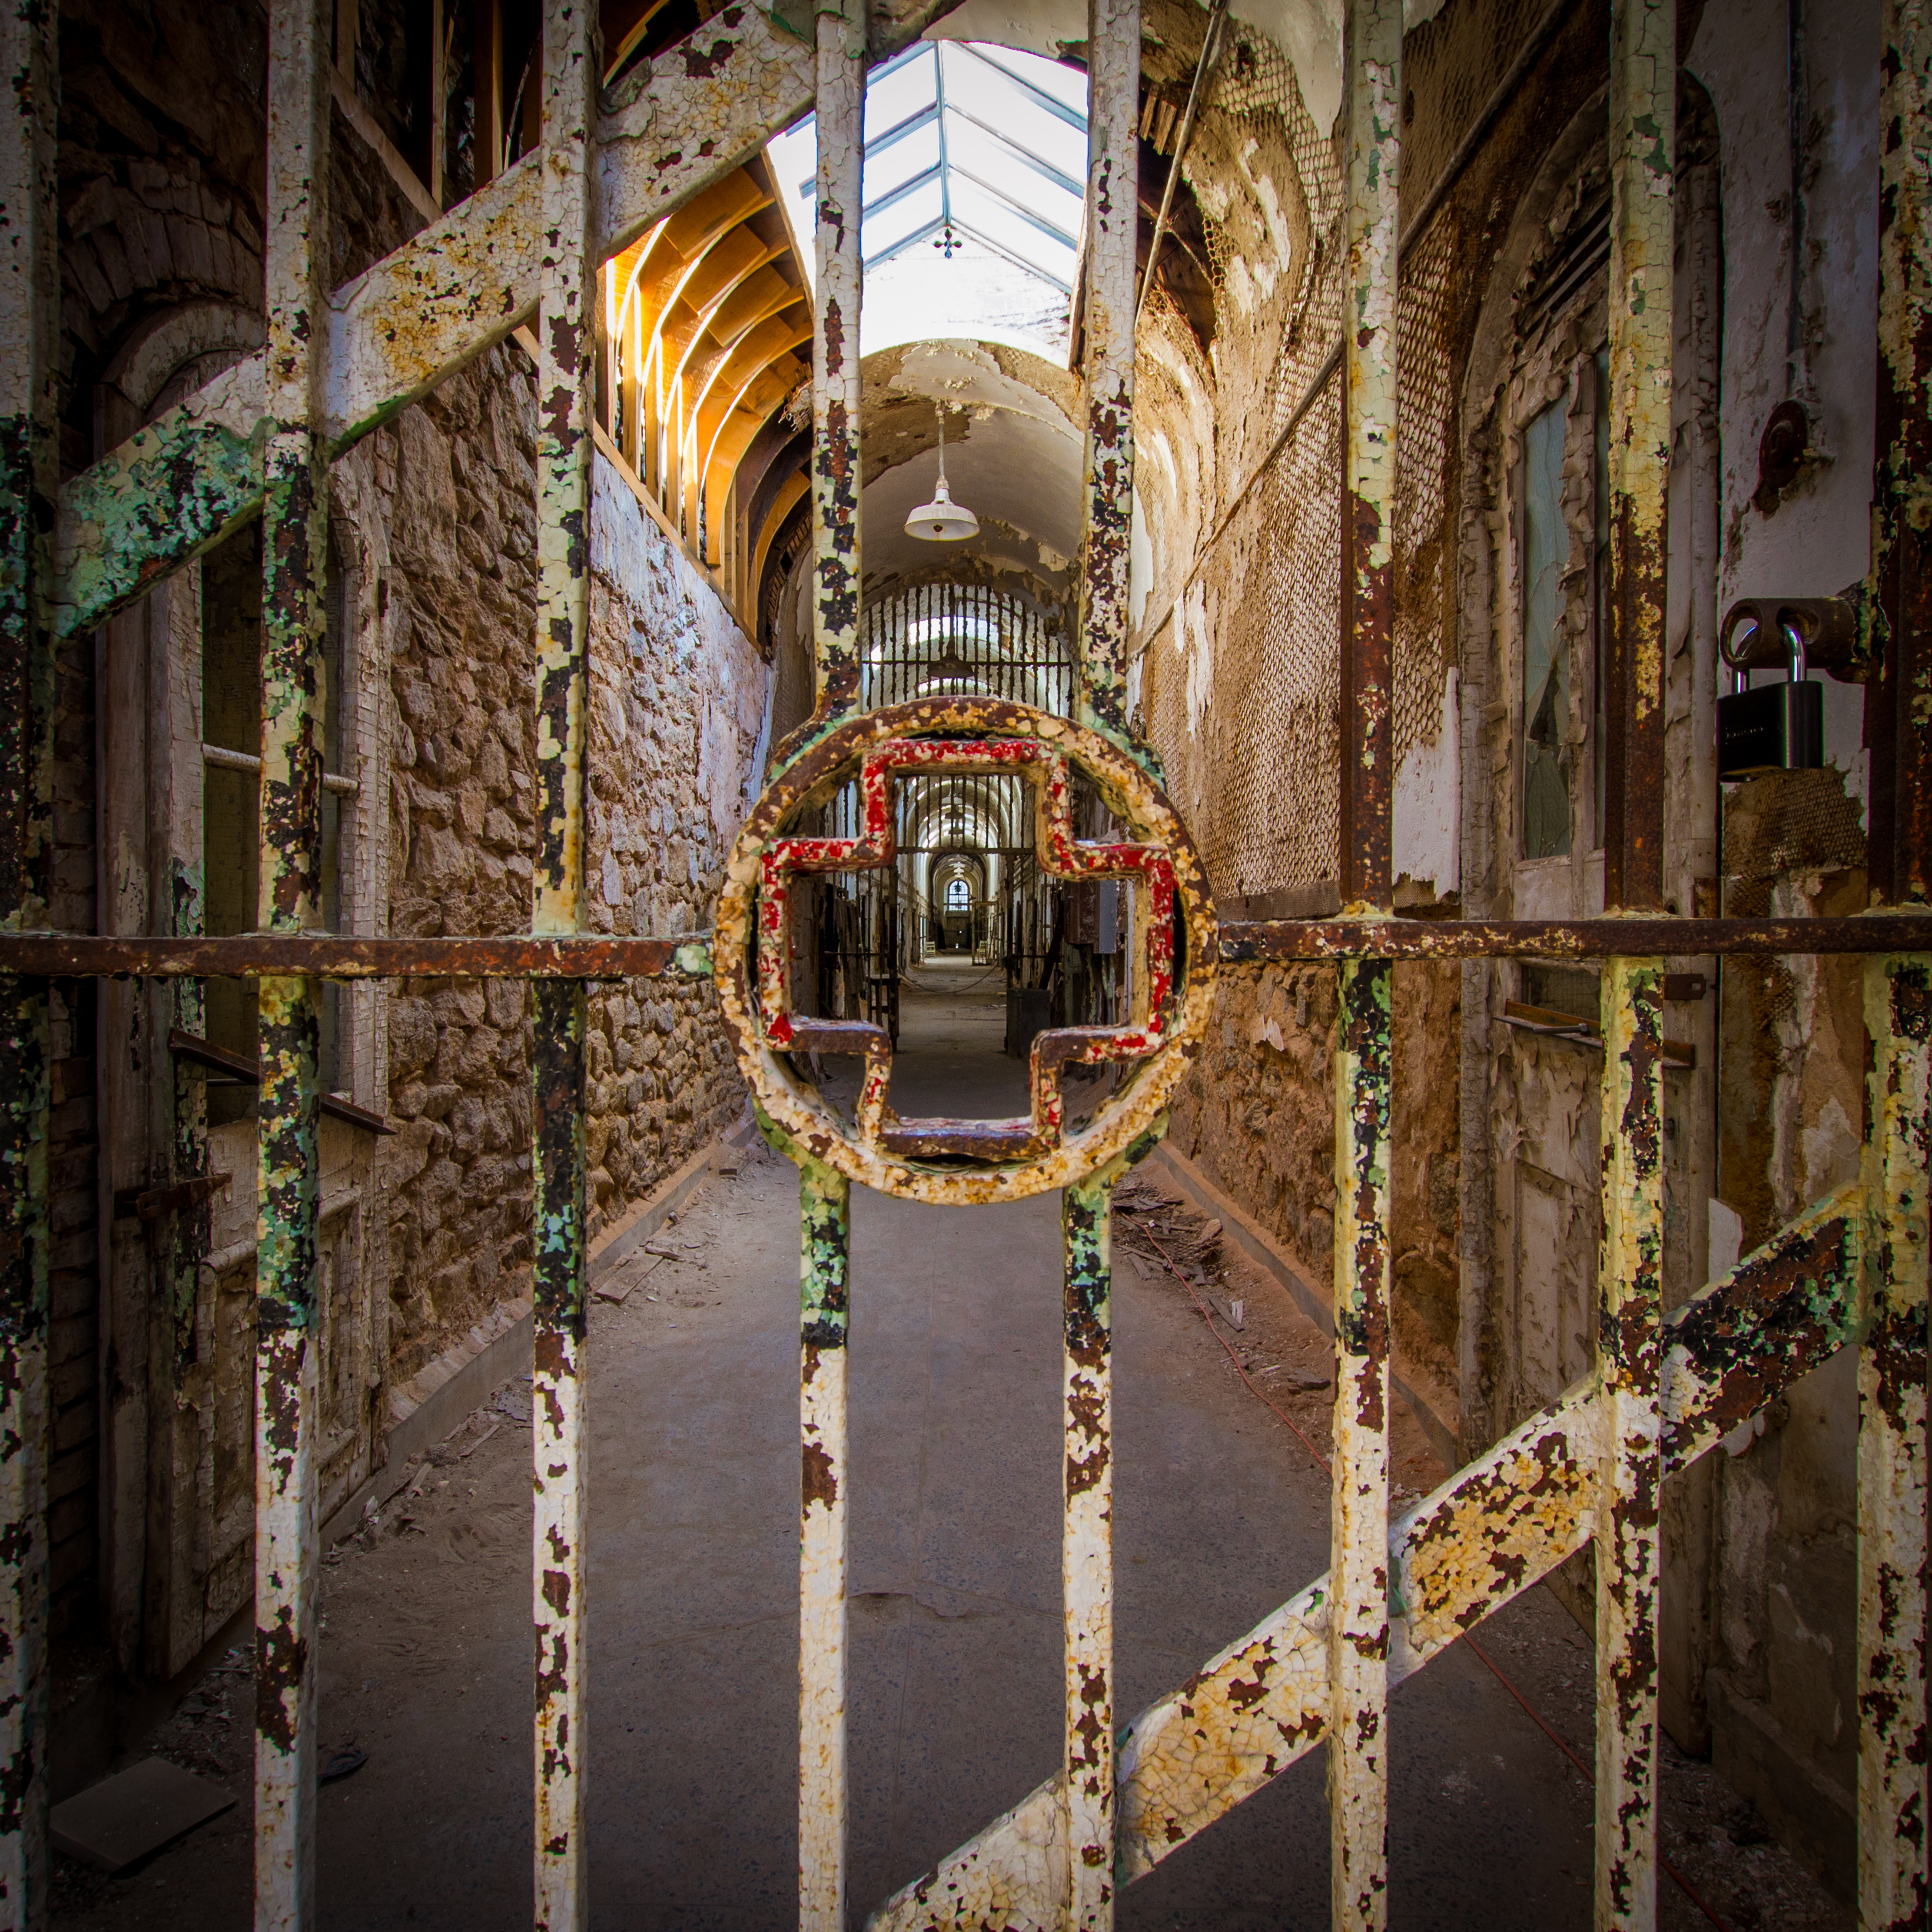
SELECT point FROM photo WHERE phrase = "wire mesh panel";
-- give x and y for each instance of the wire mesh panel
(1241, 681)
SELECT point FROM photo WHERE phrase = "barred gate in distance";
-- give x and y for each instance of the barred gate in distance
(1851, 1272)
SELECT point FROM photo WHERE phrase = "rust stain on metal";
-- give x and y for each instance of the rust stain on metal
(1643, 118)
(1256, 941)
(1891, 1470)
(1107, 364)
(1629, 1549)
(825, 1247)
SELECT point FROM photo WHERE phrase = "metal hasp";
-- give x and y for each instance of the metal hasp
(29, 335)
(558, 1433)
(1106, 313)
(295, 500)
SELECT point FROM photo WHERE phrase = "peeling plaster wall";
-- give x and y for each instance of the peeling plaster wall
(1818, 541)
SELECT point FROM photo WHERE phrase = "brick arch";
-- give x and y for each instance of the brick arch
(162, 236)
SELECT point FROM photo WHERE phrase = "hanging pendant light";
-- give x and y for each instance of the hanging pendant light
(942, 520)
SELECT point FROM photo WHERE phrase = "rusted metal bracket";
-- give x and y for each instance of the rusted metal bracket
(153, 1204)
(1254, 942)
(188, 1046)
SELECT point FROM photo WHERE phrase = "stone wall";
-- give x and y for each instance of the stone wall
(1257, 1113)
(679, 724)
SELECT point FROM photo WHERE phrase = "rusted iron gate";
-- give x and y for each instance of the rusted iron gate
(1852, 1271)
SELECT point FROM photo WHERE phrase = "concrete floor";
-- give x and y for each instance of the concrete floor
(1220, 1515)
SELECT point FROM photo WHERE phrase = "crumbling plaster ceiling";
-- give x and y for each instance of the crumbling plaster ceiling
(1308, 31)
(1012, 456)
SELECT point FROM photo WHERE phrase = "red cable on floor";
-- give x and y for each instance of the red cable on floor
(1327, 1469)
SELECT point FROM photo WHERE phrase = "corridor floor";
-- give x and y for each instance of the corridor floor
(1220, 1516)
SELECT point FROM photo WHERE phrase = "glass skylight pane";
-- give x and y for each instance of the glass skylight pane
(903, 161)
(993, 98)
(1006, 230)
(904, 91)
(903, 218)
(1067, 85)
(999, 168)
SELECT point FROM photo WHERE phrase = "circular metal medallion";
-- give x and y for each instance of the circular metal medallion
(1172, 930)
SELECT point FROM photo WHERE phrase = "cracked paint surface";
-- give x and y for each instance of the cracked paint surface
(29, 281)
(1630, 1286)
(835, 474)
(1642, 118)
(1900, 705)
(1891, 1475)
(294, 545)
(1107, 367)
(1358, 1607)
(1087, 1550)
(1373, 58)
(559, 1270)
(1032, 1156)
(825, 1240)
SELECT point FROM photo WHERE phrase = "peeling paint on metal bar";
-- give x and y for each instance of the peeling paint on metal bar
(825, 1241)
(294, 547)
(29, 339)
(836, 472)
(1643, 123)
(558, 1437)
(1892, 1485)
(1252, 942)
(1896, 612)
(1107, 361)
(1373, 62)
(1630, 1564)
(1087, 1552)
(347, 956)
(1358, 1611)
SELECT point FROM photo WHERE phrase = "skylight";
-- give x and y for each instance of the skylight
(976, 167)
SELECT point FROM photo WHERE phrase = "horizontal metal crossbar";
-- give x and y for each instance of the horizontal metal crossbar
(619, 956)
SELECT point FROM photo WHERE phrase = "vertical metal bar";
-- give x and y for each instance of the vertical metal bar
(1087, 1550)
(1630, 1279)
(825, 1231)
(29, 482)
(1107, 363)
(1898, 703)
(835, 354)
(1373, 60)
(1643, 141)
(559, 1435)
(294, 505)
(1892, 1561)
(1358, 1634)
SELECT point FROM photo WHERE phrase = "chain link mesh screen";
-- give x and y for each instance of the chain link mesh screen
(1241, 683)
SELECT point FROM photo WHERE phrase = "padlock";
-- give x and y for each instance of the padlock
(1779, 727)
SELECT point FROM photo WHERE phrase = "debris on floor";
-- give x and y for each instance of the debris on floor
(129, 1817)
